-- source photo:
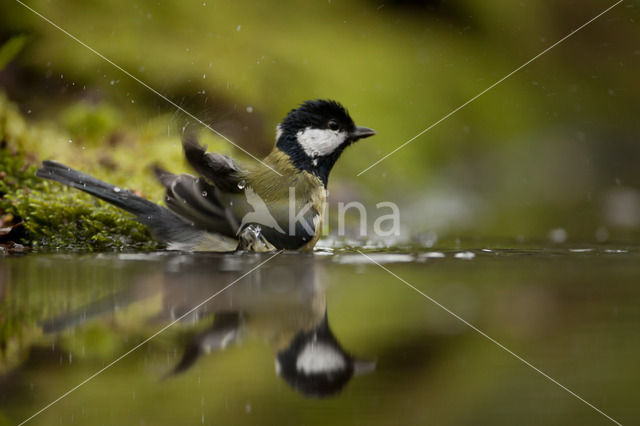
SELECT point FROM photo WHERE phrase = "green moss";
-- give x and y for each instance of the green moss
(90, 122)
(59, 218)
(54, 216)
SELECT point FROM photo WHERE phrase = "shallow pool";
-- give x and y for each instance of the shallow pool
(413, 336)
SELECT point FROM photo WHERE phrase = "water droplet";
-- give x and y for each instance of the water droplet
(602, 234)
(558, 235)
(204, 76)
(242, 184)
(467, 255)
(249, 109)
(433, 255)
(238, 27)
(132, 101)
(204, 193)
(70, 140)
(112, 82)
(116, 189)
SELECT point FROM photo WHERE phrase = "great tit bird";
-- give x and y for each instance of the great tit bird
(276, 205)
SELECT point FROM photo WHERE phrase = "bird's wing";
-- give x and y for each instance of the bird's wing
(219, 169)
(226, 199)
(200, 202)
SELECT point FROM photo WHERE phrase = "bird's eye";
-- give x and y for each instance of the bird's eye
(333, 125)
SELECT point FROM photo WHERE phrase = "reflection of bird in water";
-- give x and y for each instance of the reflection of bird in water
(286, 307)
(225, 330)
(282, 303)
(315, 364)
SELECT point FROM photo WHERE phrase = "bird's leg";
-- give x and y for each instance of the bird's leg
(251, 239)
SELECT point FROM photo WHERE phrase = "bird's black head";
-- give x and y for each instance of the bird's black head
(315, 134)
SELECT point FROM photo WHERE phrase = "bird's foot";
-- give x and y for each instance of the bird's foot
(251, 239)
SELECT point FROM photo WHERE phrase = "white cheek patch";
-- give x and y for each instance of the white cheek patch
(319, 358)
(320, 142)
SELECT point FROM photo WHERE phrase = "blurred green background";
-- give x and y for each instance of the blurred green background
(551, 153)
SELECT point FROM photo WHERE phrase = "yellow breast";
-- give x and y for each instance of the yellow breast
(318, 200)
(276, 190)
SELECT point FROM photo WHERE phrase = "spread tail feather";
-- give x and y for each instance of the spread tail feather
(105, 191)
(163, 223)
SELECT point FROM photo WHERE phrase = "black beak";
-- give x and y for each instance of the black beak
(361, 133)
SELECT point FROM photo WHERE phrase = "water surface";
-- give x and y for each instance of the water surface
(322, 338)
